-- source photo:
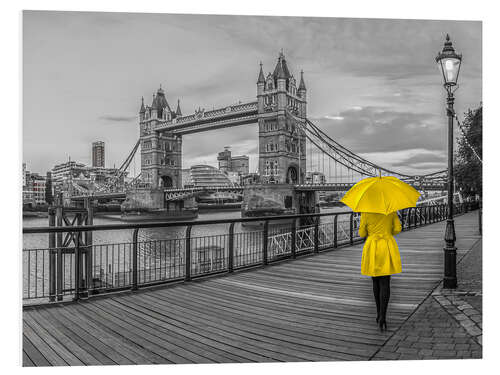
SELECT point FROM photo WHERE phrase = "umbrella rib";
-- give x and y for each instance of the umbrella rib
(361, 195)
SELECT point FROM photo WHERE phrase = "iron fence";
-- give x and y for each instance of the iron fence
(56, 274)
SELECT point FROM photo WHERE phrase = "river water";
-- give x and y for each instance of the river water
(40, 241)
(162, 251)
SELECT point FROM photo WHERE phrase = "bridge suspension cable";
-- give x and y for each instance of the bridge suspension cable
(350, 160)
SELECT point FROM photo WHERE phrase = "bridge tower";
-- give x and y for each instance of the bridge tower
(281, 117)
(161, 152)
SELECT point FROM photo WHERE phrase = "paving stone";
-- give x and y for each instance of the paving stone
(425, 352)
(425, 339)
(421, 345)
(476, 318)
(443, 340)
(443, 346)
(407, 350)
(405, 344)
(474, 330)
(462, 346)
(467, 323)
(460, 317)
(470, 312)
(444, 326)
(409, 357)
(387, 355)
(476, 354)
(444, 353)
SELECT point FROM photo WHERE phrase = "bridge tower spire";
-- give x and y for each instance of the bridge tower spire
(282, 118)
(161, 151)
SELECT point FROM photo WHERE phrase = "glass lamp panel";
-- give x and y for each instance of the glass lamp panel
(450, 66)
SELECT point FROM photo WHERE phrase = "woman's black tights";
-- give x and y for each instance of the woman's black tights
(382, 293)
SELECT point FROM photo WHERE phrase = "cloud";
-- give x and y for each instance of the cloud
(423, 160)
(118, 118)
(380, 129)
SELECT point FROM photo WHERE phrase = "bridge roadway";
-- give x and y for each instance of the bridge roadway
(314, 308)
(303, 187)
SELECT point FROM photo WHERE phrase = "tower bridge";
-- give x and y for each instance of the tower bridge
(285, 136)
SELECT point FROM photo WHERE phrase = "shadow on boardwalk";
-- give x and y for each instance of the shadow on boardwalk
(317, 308)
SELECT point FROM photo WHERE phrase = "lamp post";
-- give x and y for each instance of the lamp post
(449, 63)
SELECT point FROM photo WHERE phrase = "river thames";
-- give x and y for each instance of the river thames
(40, 241)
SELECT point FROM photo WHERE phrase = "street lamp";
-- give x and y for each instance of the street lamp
(449, 63)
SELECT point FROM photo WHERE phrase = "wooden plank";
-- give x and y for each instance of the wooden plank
(129, 332)
(259, 340)
(295, 341)
(239, 343)
(134, 353)
(33, 353)
(26, 360)
(73, 347)
(87, 342)
(46, 351)
(49, 339)
(182, 340)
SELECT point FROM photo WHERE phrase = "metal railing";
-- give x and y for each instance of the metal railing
(57, 274)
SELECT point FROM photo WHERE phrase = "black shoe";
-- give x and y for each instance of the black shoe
(382, 325)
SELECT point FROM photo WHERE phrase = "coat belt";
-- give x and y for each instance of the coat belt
(380, 236)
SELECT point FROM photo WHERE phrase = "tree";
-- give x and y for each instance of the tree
(49, 197)
(468, 168)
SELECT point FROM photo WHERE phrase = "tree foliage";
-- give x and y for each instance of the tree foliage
(468, 169)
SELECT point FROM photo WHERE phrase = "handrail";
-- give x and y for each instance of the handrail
(162, 224)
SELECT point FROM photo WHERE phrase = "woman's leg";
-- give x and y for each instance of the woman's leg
(376, 294)
(385, 294)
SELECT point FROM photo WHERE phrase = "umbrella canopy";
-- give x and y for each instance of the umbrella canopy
(381, 195)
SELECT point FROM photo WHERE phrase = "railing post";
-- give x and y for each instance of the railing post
(294, 239)
(77, 267)
(265, 235)
(335, 231)
(52, 257)
(415, 217)
(187, 276)
(230, 260)
(135, 253)
(59, 244)
(351, 228)
(316, 234)
(89, 247)
(480, 218)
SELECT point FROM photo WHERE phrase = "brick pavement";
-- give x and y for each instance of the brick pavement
(448, 324)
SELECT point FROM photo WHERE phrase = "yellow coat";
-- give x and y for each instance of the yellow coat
(380, 253)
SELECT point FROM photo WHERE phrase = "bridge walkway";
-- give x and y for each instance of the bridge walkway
(315, 308)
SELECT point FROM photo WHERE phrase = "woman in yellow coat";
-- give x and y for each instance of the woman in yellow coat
(380, 258)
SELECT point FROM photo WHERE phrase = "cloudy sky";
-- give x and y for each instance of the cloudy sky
(372, 84)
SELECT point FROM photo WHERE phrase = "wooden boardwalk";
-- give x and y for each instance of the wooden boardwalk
(316, 308)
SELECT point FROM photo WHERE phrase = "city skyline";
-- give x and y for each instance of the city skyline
(369, 81)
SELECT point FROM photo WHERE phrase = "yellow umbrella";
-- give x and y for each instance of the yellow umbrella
(381, 195)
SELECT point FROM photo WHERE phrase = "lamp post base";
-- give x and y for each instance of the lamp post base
(450, 257)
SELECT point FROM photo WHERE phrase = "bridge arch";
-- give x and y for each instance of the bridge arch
(167, 182)
(292, 174)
